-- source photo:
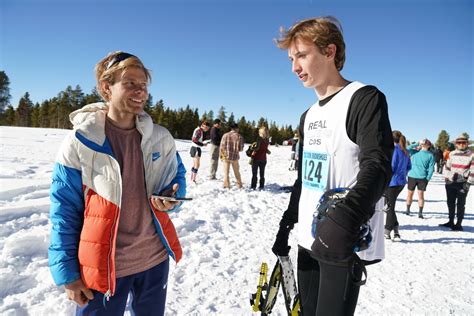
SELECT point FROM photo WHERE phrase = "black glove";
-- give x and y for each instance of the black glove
(465, 187)
(280, 247)
(335, 238)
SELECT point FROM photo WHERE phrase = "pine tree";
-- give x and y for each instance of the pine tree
(23, 111)
(275, 133)
(443, 139)
(93, 97)
(35, 116)
(231, 119)
(210, 116)
(149, 104)
(221, 115)
(4, 91)
(262, 122)
(43, 114)
(9, 116)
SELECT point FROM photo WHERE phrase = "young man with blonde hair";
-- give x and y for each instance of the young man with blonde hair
(345, 142)
(109, 236)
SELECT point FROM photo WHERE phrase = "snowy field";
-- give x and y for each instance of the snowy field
(225, 235)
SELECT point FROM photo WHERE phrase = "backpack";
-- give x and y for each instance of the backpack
(251, 148)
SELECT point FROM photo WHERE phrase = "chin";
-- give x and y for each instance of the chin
(308, 85)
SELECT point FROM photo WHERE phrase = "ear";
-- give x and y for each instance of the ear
(105, 88)
(331, 51)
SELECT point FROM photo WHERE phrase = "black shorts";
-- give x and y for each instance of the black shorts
(420, 183)
(195, 151)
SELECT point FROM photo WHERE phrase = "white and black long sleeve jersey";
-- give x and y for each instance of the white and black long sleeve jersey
(367, 126)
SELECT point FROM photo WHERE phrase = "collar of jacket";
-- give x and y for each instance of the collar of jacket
(89, 121)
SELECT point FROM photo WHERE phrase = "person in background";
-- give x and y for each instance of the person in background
(438, 153)
(196, 147)
(259, 158)
(231, 144)
(345, 142)
(459, 176)
(422, 168)
(401, 164)
(215, 145)
(109, 236)
(446, 153)
(294, 153)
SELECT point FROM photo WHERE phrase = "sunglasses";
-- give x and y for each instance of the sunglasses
(118, 58)
(461, 143)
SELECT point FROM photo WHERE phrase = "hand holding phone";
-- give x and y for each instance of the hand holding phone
(172, 198)
(166, 201)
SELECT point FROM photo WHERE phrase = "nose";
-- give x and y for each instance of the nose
(295, 67)
(141, 88)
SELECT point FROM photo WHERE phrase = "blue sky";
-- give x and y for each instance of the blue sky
(210, 54)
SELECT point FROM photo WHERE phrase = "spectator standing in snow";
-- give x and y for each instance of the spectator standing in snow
(215, 145)
(459, 176)
(259, 158)
(438, 153)
(345, 141)
(109, 237)
(294, 153)
(422, 168)
(231, 144)
(196, 147)
(446, 154)
(400, 166)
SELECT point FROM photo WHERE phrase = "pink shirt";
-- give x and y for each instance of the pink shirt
(138, 247)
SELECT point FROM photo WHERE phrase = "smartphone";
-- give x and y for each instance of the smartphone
(172, 198)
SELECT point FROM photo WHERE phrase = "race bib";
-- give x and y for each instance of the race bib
(315, 170)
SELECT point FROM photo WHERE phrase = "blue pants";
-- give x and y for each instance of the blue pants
(148, 289)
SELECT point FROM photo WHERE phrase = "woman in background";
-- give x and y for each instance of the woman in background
(401, 164)
(259, 157)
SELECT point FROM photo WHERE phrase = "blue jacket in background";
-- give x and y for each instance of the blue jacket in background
(422, 163)
(401, 164)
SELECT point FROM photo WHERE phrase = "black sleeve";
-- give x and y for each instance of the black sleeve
(215, 136)
(291, 214)
(368, 126)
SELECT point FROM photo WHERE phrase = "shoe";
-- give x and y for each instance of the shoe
(386, 234)
(407, 212)
(396, 238)
(420, 216)
(448, 224)
(457, 227)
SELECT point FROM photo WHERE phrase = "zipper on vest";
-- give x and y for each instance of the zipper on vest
(108, 294)
(106, 297)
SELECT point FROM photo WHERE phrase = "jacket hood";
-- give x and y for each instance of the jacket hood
(89, 121)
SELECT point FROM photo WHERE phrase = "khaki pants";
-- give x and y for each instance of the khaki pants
(235, 166)
(214, 160)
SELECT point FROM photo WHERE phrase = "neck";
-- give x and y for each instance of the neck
(330, 86)
(120, 119)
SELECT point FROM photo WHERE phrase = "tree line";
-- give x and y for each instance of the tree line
(181, 122)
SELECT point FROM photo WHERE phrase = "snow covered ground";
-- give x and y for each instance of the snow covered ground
(225, 235)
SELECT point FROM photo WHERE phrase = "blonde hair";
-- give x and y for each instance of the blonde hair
(106, 69)
(263, 132)
(321, 31)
